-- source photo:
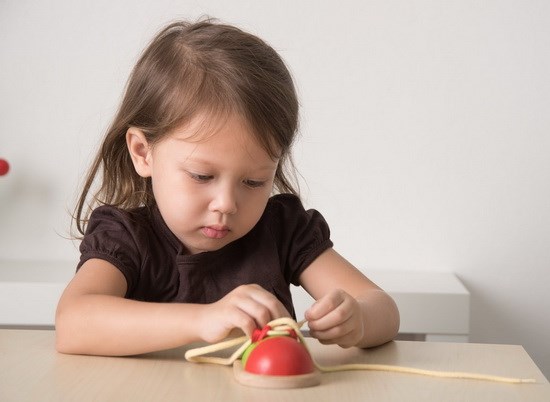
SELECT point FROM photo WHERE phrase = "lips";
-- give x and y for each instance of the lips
(215, 232)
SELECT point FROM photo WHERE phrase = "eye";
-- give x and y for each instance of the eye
(254, 183)
(201, 178)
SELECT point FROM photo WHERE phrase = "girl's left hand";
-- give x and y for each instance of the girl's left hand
(336, 318)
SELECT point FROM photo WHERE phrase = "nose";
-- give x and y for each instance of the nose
(224, 200)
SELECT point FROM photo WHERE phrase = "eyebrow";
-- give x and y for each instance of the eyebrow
(201, 161)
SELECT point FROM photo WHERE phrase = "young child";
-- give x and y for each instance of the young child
(184, 240)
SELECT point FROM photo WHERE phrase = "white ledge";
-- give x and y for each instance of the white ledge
(434, 304)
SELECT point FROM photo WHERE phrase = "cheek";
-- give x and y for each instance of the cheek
(172, 193)
(163, 189)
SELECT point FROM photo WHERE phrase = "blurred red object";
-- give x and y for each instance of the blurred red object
(4, 167)
(279, 355)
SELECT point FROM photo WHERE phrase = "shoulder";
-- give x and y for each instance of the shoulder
(301, 235)
(285, 204)
(117, 233)
(120, 237)
(288, 210)
(109, 212)
(110, 218)
(290, 221)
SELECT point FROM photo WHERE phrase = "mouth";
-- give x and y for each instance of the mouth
(215, 232)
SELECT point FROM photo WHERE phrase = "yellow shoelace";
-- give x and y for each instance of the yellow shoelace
(281, 326)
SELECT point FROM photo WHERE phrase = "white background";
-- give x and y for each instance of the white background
(424, 131)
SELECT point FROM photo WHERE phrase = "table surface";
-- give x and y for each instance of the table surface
(31, 370)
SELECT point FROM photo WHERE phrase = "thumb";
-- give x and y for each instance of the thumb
(314, 312)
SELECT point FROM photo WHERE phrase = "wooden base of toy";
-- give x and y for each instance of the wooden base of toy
(275, 381)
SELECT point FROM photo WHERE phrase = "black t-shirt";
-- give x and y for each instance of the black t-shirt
(158, 268)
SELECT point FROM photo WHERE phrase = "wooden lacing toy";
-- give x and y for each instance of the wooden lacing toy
(277, 356)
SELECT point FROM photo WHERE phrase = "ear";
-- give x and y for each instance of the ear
(140, 151)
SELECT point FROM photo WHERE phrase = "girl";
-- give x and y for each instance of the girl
(184, 240)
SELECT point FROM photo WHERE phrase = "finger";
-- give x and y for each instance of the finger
(257, 312)
(235, 333)
(325, 305)
(335, 333)
(270, 302)
(243, 321)
(262, 308)
(341, 314)
(227, 322)
(344, 342)
(344, 336)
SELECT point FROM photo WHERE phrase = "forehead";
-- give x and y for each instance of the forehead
(221, 138)
(203, 126)
(213, 121)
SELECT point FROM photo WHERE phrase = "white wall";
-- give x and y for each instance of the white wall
(425, 131)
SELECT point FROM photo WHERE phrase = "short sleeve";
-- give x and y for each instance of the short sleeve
(302, 235)
(111, 235)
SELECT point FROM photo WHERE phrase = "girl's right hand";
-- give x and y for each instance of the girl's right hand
(246, 307)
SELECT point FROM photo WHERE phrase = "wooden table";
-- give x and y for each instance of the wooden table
(31, 370)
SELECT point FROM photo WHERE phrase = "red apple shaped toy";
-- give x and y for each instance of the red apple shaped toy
(279, 356)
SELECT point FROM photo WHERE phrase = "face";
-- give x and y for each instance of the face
(213, 189)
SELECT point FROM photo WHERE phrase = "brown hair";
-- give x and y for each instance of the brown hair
(187, 69)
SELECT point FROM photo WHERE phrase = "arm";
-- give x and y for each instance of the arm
(350, 310)
(93, 317)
